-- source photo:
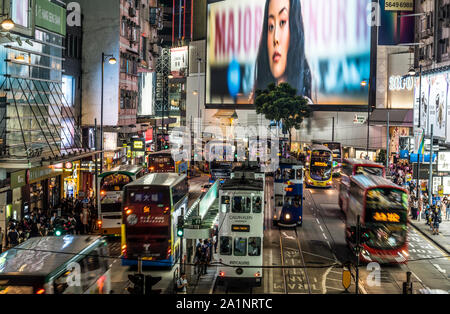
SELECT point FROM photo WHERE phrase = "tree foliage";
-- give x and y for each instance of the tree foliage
(281, 103)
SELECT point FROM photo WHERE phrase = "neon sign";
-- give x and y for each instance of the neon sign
(387, 217)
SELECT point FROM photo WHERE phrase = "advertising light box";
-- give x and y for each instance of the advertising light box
(253, 43)
(432, 104)
(444, 161)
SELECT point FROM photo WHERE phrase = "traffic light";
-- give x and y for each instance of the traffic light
(180, 226)
(364, 235)
(138, 281)
(58, 232)
(150, 281)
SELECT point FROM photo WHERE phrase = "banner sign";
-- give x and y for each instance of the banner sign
(50, 16)
(432, 104)
(324, 62)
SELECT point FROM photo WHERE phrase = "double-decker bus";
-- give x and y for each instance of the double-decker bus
(111, 185)
(241, 223)
(319, 167)
(383, 208)
(336, 149)
(151, 208)
(351, 167)
(288, 190)
(163, 161)
(70, 264)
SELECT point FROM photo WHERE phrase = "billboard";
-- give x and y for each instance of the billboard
(146, 95)
(433, 107)
(395, 28)
(444, 161)
(179, 59)
(256, 42)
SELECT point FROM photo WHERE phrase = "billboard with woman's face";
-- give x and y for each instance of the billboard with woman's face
(320, 47)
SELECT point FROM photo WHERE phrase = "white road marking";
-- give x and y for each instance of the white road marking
(321, 226)
(334, 288)
(315, 279)
(286, 236)
(318, 221)
(324, 279)
(439, 268)
(340, 280)
(324, 236)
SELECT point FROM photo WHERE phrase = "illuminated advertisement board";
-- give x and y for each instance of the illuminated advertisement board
(444, 161)
(433, 107)
(253, 43)
(179, 58)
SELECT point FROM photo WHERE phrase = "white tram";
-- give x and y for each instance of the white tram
(241, 232)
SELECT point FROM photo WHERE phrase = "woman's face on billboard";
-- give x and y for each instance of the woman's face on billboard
(278, 38)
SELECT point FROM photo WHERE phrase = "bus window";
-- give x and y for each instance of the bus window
(61, 284)
(240, 247)
(91, 270)
(257, 204)
(241, 204)
(278, 175)
(299, 174)
(225, 204)
(225, 245)
(114, 182)
(376, 171)
(254, 246)
(289, 174)
(10, 289)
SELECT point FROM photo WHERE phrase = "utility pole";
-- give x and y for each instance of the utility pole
(358, 250)
(419, 126)
(387, 142)
(332, 134)
(430, 183)
(96, 167)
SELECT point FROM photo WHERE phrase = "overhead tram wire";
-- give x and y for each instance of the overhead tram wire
(340, 265)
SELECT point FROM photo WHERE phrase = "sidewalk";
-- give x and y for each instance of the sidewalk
(206, 282)
(442, 240)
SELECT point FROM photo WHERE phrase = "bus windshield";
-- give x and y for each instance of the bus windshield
(385, 217)
(321, 165)
(365, 170)
(335, 148)
(115, 182)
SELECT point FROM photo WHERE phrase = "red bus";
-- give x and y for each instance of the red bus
(351, 167)
(382, 207)
(151, 207)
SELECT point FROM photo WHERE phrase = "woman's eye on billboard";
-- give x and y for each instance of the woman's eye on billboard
(275, 41)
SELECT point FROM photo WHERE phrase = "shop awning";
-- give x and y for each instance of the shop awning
(397, 117)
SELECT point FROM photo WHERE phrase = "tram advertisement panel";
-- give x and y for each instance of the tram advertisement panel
(325, 62)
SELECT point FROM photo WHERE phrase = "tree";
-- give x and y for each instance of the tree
(381, 157)
(281, 103)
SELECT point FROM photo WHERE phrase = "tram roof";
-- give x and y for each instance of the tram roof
(158, 179)
(369, 181)
(362, 162)
(319, 147)
(125, 168)
(244, 184)
(40, 256)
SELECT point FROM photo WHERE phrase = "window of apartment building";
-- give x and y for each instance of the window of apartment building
(19, 12)
(443, 45)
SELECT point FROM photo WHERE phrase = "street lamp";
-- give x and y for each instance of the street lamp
(364, 83)
(111, 60)
(7, 24)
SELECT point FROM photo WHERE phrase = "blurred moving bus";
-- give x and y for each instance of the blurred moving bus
(151, 208)
(111, 185)
(71, 264)
(383, 209)
(351, 167)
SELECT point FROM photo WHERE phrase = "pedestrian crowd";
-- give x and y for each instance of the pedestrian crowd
(203, 256)
(71, 216)
(419, 207)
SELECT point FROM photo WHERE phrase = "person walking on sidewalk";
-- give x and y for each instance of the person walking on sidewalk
(414, 208)
(436, 220)
(2, 235)
(447, 210)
